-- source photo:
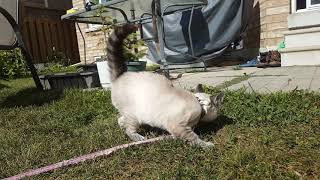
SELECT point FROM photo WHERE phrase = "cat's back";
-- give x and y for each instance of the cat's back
(144, 88)
(152, 99)
(140, 81)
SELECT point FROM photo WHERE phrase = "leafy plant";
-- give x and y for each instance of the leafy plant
(153, 67)
(133, 47)
(59, 58)
(95, 1)
(12, 64)
(58, 68)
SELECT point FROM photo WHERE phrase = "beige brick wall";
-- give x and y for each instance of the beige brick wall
(95, 44)
(269, 22)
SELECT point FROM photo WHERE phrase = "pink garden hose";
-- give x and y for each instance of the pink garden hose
(83, 158)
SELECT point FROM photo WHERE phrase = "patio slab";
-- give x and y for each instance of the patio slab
(213, 77)
(261, 80)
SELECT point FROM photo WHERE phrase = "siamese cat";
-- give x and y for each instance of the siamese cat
(151, 99)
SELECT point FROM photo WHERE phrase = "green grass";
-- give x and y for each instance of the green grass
(233, 81)
(274, 136)
(236, 68)
(152, 67)
(58, 68)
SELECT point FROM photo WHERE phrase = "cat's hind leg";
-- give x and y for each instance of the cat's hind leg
(131, 126)
(121, 122)
(186, 133)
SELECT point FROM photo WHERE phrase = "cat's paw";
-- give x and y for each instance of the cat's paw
(137, 137)
(208, 145)
(204, 144)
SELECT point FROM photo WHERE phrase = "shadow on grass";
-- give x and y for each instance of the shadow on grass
(201, 129)
(2, 86)
(145, 130)
(30, 96)
(208, 128)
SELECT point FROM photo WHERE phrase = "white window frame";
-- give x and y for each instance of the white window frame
(309, 6)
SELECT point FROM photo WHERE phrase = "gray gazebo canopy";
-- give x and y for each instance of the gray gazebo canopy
(121, 10)
(7, 34)
(177, 32)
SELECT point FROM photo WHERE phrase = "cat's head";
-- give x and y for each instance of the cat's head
(209, 103)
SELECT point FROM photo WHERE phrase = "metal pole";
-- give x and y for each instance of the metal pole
(133, 16)
(31, 66)
(191, 39)
(160, 37)
(84, 44)
(189, 29)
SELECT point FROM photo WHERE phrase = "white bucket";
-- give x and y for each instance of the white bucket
(104, 74)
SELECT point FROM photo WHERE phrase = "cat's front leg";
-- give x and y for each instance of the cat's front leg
(134, 136)
(203, 144)
(130, 127)
(186, 133)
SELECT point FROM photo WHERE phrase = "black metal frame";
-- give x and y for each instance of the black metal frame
(84, 43)
(20, 44)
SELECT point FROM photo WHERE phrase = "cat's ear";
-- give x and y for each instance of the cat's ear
(217, 100)
(199, 89)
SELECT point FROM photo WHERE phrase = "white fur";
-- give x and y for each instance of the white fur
(148, 98)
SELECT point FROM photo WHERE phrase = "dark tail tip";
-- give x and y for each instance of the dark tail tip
(117, 61)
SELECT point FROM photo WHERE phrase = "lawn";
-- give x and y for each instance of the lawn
(274, 136)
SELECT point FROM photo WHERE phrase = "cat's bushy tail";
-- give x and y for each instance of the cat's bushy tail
(115, 54)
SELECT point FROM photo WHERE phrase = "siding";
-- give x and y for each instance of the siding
(269, 22)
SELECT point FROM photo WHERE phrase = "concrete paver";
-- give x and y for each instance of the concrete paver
(315, 83)
(215, 76)
(261, 80)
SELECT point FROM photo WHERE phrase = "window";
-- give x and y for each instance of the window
(305, 5)
(313, 4)
(301, 4)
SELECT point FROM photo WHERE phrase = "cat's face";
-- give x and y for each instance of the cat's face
(210, 104)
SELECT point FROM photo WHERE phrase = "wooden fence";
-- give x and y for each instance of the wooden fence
(46, 35)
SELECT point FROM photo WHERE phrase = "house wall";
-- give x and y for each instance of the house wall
(267, 26)
(274, 23)
(95, 44)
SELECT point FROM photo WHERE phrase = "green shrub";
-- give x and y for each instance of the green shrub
(58, 68)
(131, 44)
(153, 67)
(58, 58)
(12, 64)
